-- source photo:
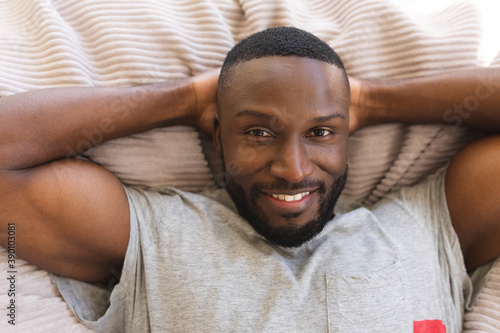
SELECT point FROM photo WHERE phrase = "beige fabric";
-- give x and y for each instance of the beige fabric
(39, 306)
(485, 316)
(96, 42)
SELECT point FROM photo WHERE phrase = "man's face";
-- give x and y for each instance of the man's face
(282, 133)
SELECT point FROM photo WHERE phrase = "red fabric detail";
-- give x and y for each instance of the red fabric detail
(429, 326)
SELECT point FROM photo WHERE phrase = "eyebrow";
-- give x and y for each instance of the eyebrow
(253, 113)
(326, 118)
(261, 115)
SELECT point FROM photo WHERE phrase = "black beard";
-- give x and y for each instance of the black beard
(287, 236)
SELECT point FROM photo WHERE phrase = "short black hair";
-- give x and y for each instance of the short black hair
(279, 41)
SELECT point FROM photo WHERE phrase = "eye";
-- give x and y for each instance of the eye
(259, 133)
(320, 132)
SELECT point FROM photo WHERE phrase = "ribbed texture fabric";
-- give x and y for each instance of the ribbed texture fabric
(39, 306)
(92, 42)
(485, 316)
(116, 42)
(162, 157)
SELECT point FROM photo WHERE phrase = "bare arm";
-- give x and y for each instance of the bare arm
(72, 216)
(45, 125)
(472, 185)
(467, 97)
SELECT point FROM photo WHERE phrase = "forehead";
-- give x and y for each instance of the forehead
(284, 82)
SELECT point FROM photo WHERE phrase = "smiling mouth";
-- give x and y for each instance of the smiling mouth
(288, 198)
(291, 203)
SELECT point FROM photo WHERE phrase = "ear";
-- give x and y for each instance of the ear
(216, 136)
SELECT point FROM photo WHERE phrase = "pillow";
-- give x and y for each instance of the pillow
(95, 42)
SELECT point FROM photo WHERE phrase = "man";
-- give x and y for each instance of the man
(267, 254)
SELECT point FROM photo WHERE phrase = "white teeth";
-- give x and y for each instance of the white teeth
(286, 197)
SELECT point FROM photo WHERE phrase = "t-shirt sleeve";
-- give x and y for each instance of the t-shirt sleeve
(112, 307)
(426, 202)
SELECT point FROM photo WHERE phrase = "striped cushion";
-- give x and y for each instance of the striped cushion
(97, 42)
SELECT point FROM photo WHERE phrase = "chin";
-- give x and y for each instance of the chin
(296, 229)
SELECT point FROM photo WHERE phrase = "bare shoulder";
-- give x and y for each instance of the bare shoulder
(473, 197)
(71, 217)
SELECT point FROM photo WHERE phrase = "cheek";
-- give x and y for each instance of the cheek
(242, 160)
(332, 160)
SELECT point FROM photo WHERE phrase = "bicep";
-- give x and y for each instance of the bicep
(71, 218)
(473, 197)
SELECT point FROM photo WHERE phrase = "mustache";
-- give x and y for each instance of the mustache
(284, 185)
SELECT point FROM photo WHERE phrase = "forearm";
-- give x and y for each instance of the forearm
(45, 125)
(468, 97)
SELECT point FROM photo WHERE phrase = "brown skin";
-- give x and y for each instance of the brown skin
(472, 193)
(72, 217)
(284, 119)
(467, 97)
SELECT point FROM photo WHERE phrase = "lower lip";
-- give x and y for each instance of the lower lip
(290, 204)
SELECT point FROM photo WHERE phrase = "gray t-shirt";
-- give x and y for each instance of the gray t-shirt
(194, 265)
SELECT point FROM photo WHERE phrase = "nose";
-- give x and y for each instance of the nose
(291, 162)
